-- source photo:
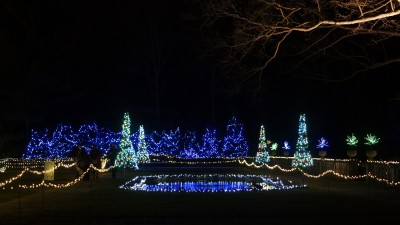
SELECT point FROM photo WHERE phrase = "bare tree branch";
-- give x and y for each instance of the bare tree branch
(261, 29)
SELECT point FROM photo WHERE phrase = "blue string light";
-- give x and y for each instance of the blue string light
(210, 144)
(322, 143)
(235, 145)
(63, 139)
(190, 146)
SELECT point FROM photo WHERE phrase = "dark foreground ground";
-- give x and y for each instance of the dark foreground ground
(327, 201)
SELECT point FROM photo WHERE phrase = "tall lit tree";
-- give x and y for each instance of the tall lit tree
(262, 156)
(143, 154)
(235, 145)
(126, 158)
(302, 157)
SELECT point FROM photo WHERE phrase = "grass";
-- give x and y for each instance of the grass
(326, 201)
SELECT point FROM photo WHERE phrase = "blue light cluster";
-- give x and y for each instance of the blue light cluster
(191, 149)
(235, 145)
(171, 142)
(210, 144)
(189, 145)
(286, 146)
(206, 183)
(322, 143)
(63, 139)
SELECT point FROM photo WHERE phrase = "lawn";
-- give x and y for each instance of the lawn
(326, 201)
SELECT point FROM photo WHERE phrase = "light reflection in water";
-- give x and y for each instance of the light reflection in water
(206, 183)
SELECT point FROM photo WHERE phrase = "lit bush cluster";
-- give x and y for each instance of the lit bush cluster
(60, 142)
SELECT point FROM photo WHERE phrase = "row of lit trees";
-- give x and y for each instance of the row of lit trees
(59, 144)
(189, 145)
(302, 157)
(135, 148)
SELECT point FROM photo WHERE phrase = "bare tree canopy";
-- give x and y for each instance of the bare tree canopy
(358, 31)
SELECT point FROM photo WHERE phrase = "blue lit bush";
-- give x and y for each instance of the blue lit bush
(60, 142)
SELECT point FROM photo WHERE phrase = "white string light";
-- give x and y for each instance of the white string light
(12, 178)
(66, 184)
(18, 163)
(392, 183)
(62, 163)
(51, 170)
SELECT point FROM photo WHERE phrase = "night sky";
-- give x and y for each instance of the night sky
(75, 62)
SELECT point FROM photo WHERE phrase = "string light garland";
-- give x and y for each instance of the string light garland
(384, 162)
(69, 184)
(346, 177)
(10, 180)
(61, 164)
(266, 165)
(18, 163)
(201, 163)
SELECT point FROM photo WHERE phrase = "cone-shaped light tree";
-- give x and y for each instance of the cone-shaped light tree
(262, 156)
(143, 154)
(302, 157)
(126, 158)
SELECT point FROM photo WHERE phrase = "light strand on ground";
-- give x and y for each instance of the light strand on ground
(19, 163)
(392, 183)
(66, 184)
(207, 183)
(12, 178)
(194, 163)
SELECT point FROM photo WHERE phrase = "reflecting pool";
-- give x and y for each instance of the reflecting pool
(207, 183)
